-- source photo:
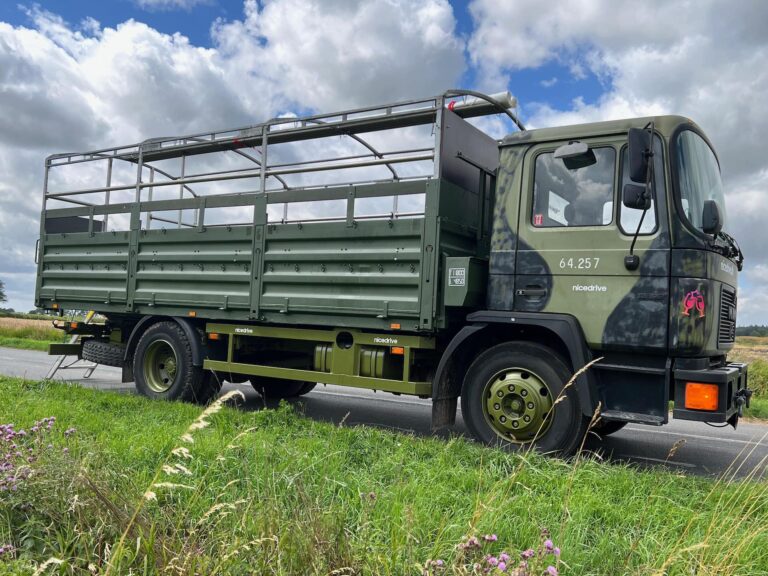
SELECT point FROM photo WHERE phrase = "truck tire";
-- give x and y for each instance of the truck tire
(514, 395)
(164, 370)
(103, 352)
(276, 388)
(607, 427)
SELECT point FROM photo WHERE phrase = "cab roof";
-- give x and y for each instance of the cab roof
(663, 124)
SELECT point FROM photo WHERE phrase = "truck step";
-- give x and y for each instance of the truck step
(620, 416)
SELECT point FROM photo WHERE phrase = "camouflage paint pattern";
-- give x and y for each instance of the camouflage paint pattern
(580, 270)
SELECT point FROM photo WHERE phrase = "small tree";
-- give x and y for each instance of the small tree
(2, 292)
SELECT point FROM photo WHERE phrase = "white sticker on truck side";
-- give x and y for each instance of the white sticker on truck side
(457, 276)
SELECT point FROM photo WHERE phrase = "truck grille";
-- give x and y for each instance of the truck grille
(726, 331)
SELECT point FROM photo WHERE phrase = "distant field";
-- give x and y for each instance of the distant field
(28, 334)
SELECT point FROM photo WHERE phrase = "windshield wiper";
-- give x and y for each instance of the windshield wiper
(733, 251)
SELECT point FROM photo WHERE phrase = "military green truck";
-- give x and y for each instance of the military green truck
(400, 248)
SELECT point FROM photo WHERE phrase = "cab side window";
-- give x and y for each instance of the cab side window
(576, 197)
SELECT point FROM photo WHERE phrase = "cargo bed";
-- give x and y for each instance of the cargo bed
(355, 269)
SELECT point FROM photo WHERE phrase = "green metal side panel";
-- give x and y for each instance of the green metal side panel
(84, 271)
(329, 273)
(353, 274)
(190, 270)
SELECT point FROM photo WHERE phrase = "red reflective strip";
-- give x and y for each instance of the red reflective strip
(451, 105)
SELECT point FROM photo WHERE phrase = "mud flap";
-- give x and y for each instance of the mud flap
(444, 413)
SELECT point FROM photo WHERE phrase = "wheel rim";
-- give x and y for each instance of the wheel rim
(160, 366)
(518, 405)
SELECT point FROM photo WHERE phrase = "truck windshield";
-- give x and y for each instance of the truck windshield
(698, 176)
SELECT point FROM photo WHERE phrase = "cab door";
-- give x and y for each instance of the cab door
(573, 236)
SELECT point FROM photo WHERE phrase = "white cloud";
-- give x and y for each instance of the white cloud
(335, 53)
(704, 60)
(549, 83)
(65, 87)
(171, 4)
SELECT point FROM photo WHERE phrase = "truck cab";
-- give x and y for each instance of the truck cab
(663, 321)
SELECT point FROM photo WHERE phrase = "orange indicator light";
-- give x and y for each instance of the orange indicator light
(699, 396)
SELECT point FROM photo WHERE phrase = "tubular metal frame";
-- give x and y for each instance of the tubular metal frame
(348, 123)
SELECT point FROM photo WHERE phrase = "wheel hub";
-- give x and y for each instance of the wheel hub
(518, 405)
(160, 366)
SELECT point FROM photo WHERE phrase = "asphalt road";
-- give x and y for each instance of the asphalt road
(702, 450)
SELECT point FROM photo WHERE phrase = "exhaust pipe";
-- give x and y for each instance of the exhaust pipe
(474, 106)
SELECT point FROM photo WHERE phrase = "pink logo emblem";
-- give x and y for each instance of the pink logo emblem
(693, 299)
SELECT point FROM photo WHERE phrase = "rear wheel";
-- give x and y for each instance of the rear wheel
(514, 395)
(276, 388)
(163, 367)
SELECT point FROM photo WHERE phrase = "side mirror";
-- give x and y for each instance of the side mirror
(639, 141)
(711, 219)
(635, 196)
(575, 155)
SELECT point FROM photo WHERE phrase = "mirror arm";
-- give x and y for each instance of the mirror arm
(632, 261)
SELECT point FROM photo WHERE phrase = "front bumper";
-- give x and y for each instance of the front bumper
(733, 393)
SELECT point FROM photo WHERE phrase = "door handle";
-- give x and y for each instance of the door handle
(533, 291)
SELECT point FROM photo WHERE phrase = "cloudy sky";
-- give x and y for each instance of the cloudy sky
(81, 74)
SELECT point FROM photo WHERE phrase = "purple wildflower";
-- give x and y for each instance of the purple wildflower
(551, 571)
(502, 566)
(504, 557)
(6, 549)
(493, 561)
(556, 551)
(549, 545)
(528, 554)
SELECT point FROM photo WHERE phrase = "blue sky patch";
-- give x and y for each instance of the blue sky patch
(194, 23)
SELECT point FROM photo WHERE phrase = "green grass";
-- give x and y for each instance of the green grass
(271, 492)
(758, 409)
(24, 343)
(758, 377)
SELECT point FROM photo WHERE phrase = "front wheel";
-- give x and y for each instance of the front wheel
(514, 394)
